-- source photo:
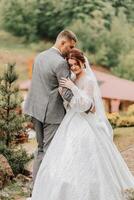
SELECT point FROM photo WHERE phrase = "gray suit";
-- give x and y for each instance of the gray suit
(44, 103)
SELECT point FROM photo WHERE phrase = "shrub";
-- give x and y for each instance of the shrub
(106, 47)
(125, 121)
(33, 19)
(17, 158)
(11, 118)
(20, 18)
(113, 118)
(125, 68)
(122, 119)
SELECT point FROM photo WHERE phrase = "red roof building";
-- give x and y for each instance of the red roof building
(117, 93)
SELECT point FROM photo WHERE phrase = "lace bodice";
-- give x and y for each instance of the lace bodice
(83, 95)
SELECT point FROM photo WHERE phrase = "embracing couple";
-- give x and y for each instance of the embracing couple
(76, 158)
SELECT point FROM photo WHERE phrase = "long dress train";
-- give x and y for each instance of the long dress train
(82, 162)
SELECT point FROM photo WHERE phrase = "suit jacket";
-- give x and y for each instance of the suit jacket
(44, 101)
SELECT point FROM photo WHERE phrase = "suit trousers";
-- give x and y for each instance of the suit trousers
(44, 135)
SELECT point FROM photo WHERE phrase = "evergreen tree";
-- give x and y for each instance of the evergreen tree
(11, 119)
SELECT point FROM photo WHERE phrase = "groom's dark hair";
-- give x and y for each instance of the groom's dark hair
(67, 34)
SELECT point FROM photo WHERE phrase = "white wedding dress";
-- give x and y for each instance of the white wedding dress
(82, 162)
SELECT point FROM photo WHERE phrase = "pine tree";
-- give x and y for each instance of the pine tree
(11, 121)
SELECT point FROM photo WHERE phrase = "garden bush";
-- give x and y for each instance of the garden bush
(17, 158)
(125, 119)
(113, 118)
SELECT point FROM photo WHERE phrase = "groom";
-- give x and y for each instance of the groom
(44, 104)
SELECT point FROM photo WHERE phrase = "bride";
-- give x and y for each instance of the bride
(82, 162)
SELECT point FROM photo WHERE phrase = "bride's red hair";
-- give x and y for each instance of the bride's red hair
(77, 55)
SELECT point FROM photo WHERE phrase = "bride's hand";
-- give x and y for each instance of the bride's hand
(66, 82)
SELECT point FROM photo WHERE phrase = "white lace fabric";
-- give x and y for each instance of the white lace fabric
(83, 98)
